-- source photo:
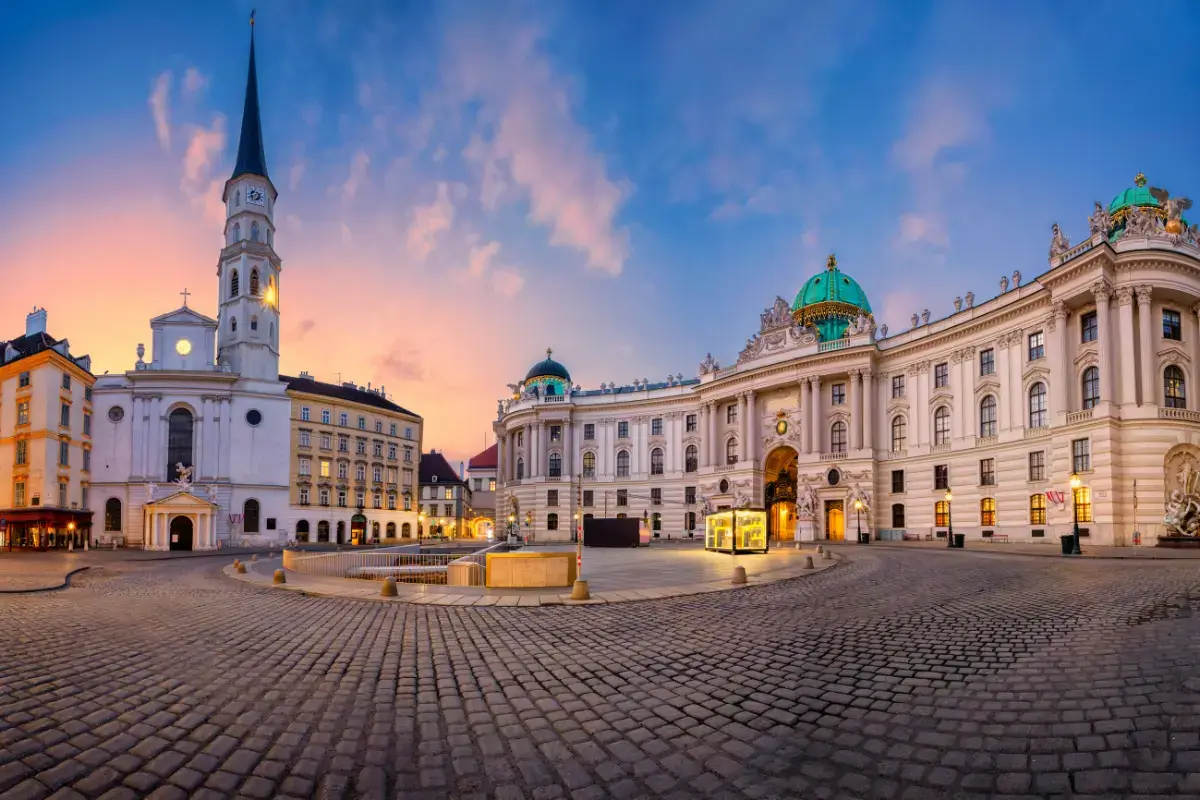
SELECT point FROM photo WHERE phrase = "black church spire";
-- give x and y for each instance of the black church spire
(251, 158)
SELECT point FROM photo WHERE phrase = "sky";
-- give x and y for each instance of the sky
(464, 184)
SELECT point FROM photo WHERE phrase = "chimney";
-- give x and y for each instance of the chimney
(35, 322)
(462, 471)
(304, 373)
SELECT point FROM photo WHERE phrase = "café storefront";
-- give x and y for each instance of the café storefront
(44, 528)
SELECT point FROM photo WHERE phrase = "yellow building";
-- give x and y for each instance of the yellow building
(354, 458)
(45, 440)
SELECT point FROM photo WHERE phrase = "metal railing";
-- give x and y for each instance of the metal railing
(406, 563)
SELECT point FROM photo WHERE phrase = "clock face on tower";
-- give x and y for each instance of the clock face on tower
(254, 195)
(183, 347)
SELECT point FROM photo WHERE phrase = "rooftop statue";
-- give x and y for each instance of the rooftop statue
(1174, 206)
(1059, 243)
(1100, 222)
(1139, 223)
(776, 316)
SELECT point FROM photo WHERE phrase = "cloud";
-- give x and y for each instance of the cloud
(296, 174)
(364, 94)
(194, 82)
(403, 365)
(492, 186)
(303, 328)
(929, 227)
(311, 114)
(200, 157)
(764, 200)
(507, 282)
(480, 257)
(294, 221)
(347, 237)
(527, 107)
(897, 308)
(429, 221)
(160, 109)
(359, 163)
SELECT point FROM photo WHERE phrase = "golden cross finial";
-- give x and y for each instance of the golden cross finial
(548, 353)
(1140, 179)
(185, 294)
(252, 17)
(831, 264)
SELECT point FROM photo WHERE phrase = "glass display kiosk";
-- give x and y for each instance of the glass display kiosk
(739, 530)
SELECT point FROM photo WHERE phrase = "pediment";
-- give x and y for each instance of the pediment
(181, 499)
(987, 385)
(183, 316)
(1089, 351)
(941, 396)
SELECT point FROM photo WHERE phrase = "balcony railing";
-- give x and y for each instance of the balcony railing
(986, 441)
(554, 398)
(832, 456)
(940, 448)
(1079, 416)
(1035, 433)
(835, 344)
(1179, 413)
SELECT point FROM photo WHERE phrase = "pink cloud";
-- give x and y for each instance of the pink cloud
(507, 282)
(194, 82)
(357, 177)
(480, 257)
(430, 221)
(160, 109)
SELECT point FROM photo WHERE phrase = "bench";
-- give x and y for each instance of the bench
(916, 537)
(996, 537)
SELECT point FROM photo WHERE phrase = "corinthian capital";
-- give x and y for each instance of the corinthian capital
(1058, 310)
(1102, 290)
(1124, 295)
(1143, 294)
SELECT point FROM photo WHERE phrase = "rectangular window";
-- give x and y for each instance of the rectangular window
(491, 484)
(22, 451)
(552, 498)
(392, 429)
(1083, 504)
(1087, 333)
(64, 454)
(303, 495)
(837, 394)
(408, 433)
(897, 515)
(326, 441)
(343, 470)
(987, 362)
(66, 382)
(1037, 466)
(62, 487)
(689, 495)
(360, 498)
(23, 381)
(360, 447)
(589, 431)
(520, 438)
(391, 474)
(656, 497)
(731, 414)
(556, 433)
(343, 444)
(897, 481)
(360, 472)
(408, 455)
(1172, 325)
(343, 419)
(1037, 347)
(324, 495)
(941, 375)
(19, 494)
(897, 386)
(941, 476)
(64, 415)
(987, 511)
(941, 514)
(588, 497)
(1037, 509)
(656, 427)
(304, 413)
(83, 497)
(987, 472)
(1081, 455)
(622, 430)
(87, 460)
(324, 467)
(377, 450)
(378, 426)
(448, 494)
(325, 416)
(377, 474)
(689, 521)
(622, 497)
(391, 501)
(362, 423)
(689, 423)
(478, 484)
(305, 467)
(305, 439)
(391, 452)
(407, 502)
(87, 424)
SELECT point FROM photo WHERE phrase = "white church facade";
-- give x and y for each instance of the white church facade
(1070, 396)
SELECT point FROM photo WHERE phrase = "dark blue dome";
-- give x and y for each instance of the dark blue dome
(548, 369)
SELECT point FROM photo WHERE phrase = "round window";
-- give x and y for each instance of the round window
(781, 427)
(116, 414)
(724, 487)
(253, 417)
(834, 477)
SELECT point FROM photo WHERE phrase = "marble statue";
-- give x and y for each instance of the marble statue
(915, 320)
(859, 494)
(708, 365)
(883, 331)
(1003, 284)
(1139, 223)
(1174, 206)
(970, 298)
(957, 304)
(860, 325)
(1183, 507)
(183, 475)
(741, 500)
(925, 317)
(776, 316)
(1059, 243)
(1100, 222)
(806, 502)
(212, 493)
(499, 409)
(151, 488)
(1016, 278)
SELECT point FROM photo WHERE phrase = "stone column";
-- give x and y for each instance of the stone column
(818, 440)
(855, 412)
(198, 457)
(868, 411)
(1058, 364)
(1003, 357)
(968, 406)
(1146, 340)
(743, 426)
(1015, 394)
(226, 414)
(1195, 352)
(753, 430)
(1127, 389)
(805, 407)
(1102, 291)
(711, 444)
(568, 449)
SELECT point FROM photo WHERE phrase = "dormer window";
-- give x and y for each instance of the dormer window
(254, 283)
(233, 284)
(254, 231)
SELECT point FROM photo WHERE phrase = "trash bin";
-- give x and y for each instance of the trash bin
(1068, 544)
(864, 538)
(959, 538)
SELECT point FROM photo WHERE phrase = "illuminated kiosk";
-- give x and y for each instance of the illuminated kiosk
(739, 530)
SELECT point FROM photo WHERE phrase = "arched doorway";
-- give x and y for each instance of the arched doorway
(779, 477)
(358, 529)
(323, 531)
(341, 531)
(835, 520)
(181, 533)
(302, 530)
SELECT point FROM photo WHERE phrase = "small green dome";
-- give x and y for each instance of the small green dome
(1137, 195)
(548, 369)
(830, 301)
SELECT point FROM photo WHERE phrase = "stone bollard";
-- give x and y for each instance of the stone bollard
(254, 556)
(239, 568)
(579, 591)
(827, 555)
(280, 577)
(739, 576)
(71, 546)
(808, 563)
(389, 588)
(820, 549)
(86, 542)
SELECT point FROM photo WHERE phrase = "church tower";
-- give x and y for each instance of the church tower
(249, 268)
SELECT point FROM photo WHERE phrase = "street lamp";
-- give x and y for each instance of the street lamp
(949, 520)
(858, 518)
(576, 531)
(420, 528)
(1075, 484)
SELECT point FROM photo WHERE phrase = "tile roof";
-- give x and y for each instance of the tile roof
(31, 344)
(349, 393)
(488, 459)
(435, 465)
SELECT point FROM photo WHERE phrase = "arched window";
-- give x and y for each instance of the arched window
(112, 514)
(656, 461)
(1174, 393)
(555, 465)
(233, 284)
(302, 530)
(987, 511)
(237, 231)
(254, 231)
(897, 515)
(375, 529)
(941, 425)
(941, 514)
(837, 437)
(589, 465)
(233, 324)
(623, 464)
(1037, 509)
(691, 460)
(250, 516)
(323, 531)
(899, 433)
(254, 283)
(254, 322)
(731, 451)
(391, 530)
(406, 530)
(1091, 387)
(1037, 405)
(552, 522)
(987, 416)
(179, 441)
(520, 468)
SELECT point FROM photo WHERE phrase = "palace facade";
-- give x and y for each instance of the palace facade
(1059, 398)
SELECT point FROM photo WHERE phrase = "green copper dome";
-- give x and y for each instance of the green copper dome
(1137, 195)
(830, 301)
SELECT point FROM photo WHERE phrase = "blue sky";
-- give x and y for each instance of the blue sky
(464, 184)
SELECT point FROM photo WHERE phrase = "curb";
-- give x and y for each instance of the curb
(997, 550)
(66, 582)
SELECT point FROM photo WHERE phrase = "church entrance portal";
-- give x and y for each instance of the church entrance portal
(835, 520)
(181, 533)
(779, 473)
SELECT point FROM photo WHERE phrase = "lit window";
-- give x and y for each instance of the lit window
(1174, 394)
(1037, 509)
(324, 468)
(941, 514)
(987, 511)
(1083, 504)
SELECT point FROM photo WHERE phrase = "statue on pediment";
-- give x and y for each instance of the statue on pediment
(1100, 222)
(776, 316)
(1059, 243)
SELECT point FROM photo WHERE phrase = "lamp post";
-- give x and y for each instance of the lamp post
(511, 521)
(1075, 484)
(858, 518)
(420, 529)
(949, 519)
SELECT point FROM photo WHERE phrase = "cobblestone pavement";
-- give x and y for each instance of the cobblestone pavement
(897, 674)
